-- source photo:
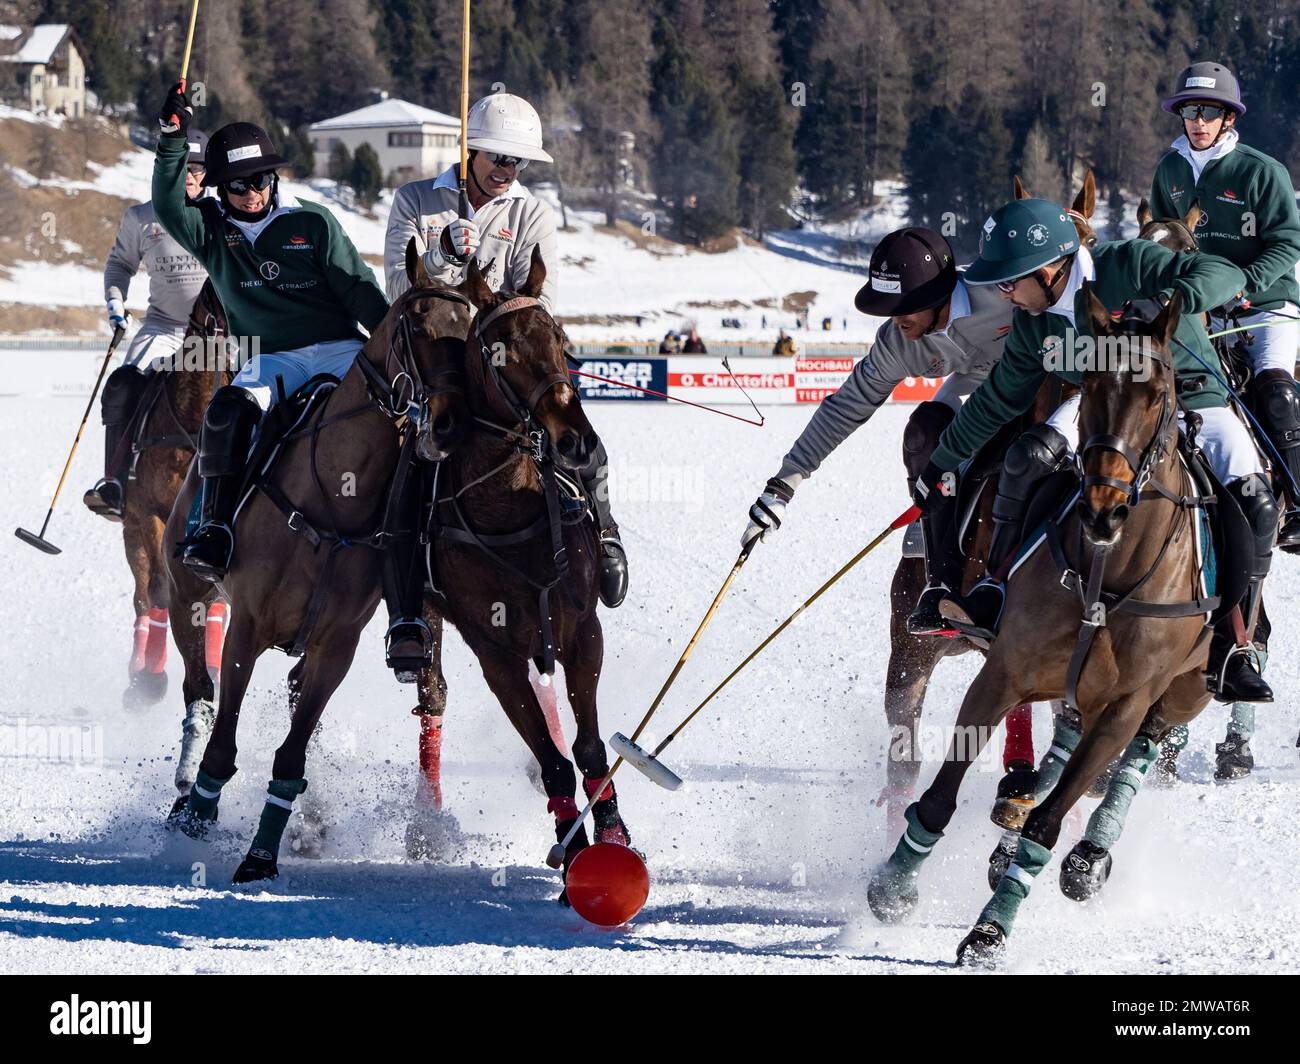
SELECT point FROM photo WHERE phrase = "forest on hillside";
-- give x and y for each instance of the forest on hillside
(736, 112)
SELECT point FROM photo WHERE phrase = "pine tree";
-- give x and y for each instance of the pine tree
(340, 165)
(367, 177)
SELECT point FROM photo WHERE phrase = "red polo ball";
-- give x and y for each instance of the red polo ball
(607, 884)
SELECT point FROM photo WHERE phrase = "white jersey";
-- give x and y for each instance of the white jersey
(175, 276)
(510, 226)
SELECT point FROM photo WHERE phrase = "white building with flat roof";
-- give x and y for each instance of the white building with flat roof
(411, 141)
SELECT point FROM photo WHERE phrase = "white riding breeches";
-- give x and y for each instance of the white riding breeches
(294, 368)
(1273, 347)
(152, 342)
(1225, 441)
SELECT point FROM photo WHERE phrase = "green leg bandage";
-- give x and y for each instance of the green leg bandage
(275, 814)
(1014, 887)
(1065, 737)
(1176, 739)
(915, 845)
(1107, 820)
(1243, 713)
(205, 794)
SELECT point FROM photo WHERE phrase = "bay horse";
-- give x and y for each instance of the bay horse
(912, 659)
(163, 436)
(1141, 672)
(513, 556)
(309, 584)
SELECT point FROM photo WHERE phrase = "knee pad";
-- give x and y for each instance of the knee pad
(122, 391)
(1035, 453)
(1259, 506)
(1277, 404)
(921, 436)
(227, 429)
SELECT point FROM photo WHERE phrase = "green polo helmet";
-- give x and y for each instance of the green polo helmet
(1021, 237)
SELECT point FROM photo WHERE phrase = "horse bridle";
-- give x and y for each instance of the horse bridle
(399, 389)
(1142, 465)
(525, 409)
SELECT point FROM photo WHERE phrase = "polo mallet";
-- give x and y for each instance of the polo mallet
(626, 748)
(39, 541)
(649, 762)
(185, 59)
(464, 110)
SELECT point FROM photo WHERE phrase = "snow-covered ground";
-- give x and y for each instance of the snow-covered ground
(760, 865)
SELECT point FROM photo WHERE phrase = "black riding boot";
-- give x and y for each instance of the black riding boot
(943, 567)
(1037, 453)
(408, 643)
(943, 561)
(1277, 406)
(122, 393)
(1233, 670)
(227, 432)
(613, 558)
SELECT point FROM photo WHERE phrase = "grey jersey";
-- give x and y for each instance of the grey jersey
(964, 353)
(175, 276)
(510, 226)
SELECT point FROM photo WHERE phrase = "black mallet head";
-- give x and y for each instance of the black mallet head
(36, 541)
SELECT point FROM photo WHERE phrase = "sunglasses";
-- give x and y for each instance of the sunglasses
(1008, 286)
(197, 169)
(509, 160)
(1209, 112)
(241, 186)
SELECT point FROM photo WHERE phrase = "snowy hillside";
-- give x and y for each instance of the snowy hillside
(607, 279)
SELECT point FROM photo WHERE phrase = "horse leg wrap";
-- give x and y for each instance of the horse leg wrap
(1019, 745)
(604, 812)
(1242, 722)
(1014, 886)
(1107, 820)
(1176, 739)
(431, 755)
(275, 816)
(1065, 738)
(205, 794)
(155, 654)
(915, 845)
(214, 637)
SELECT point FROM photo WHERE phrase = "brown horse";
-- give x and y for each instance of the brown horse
(912, 659)
(1142, 660)
(514, 554)
(163, 436)
(311, 583)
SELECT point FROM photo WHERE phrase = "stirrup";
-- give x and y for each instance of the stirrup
(197, 551)
(980, 631)
(930, 623)
(105, 506)
(405, 664)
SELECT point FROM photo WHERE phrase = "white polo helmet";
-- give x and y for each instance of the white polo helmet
(508, 125)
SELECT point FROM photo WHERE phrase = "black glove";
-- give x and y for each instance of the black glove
(1142, 310)
(1239, 302)
(934, 485)
(174, 118)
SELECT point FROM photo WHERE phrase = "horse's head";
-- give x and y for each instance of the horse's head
(423, 354)
(1080, 211)
(1127, 415)
(520, 376)
(1177, 234)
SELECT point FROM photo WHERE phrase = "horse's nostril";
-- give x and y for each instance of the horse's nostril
(570, 445)
(443, 423)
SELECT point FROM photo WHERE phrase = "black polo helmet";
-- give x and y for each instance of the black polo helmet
(238, 150)
(911, 270)
(198, 142)
(1206, 81)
